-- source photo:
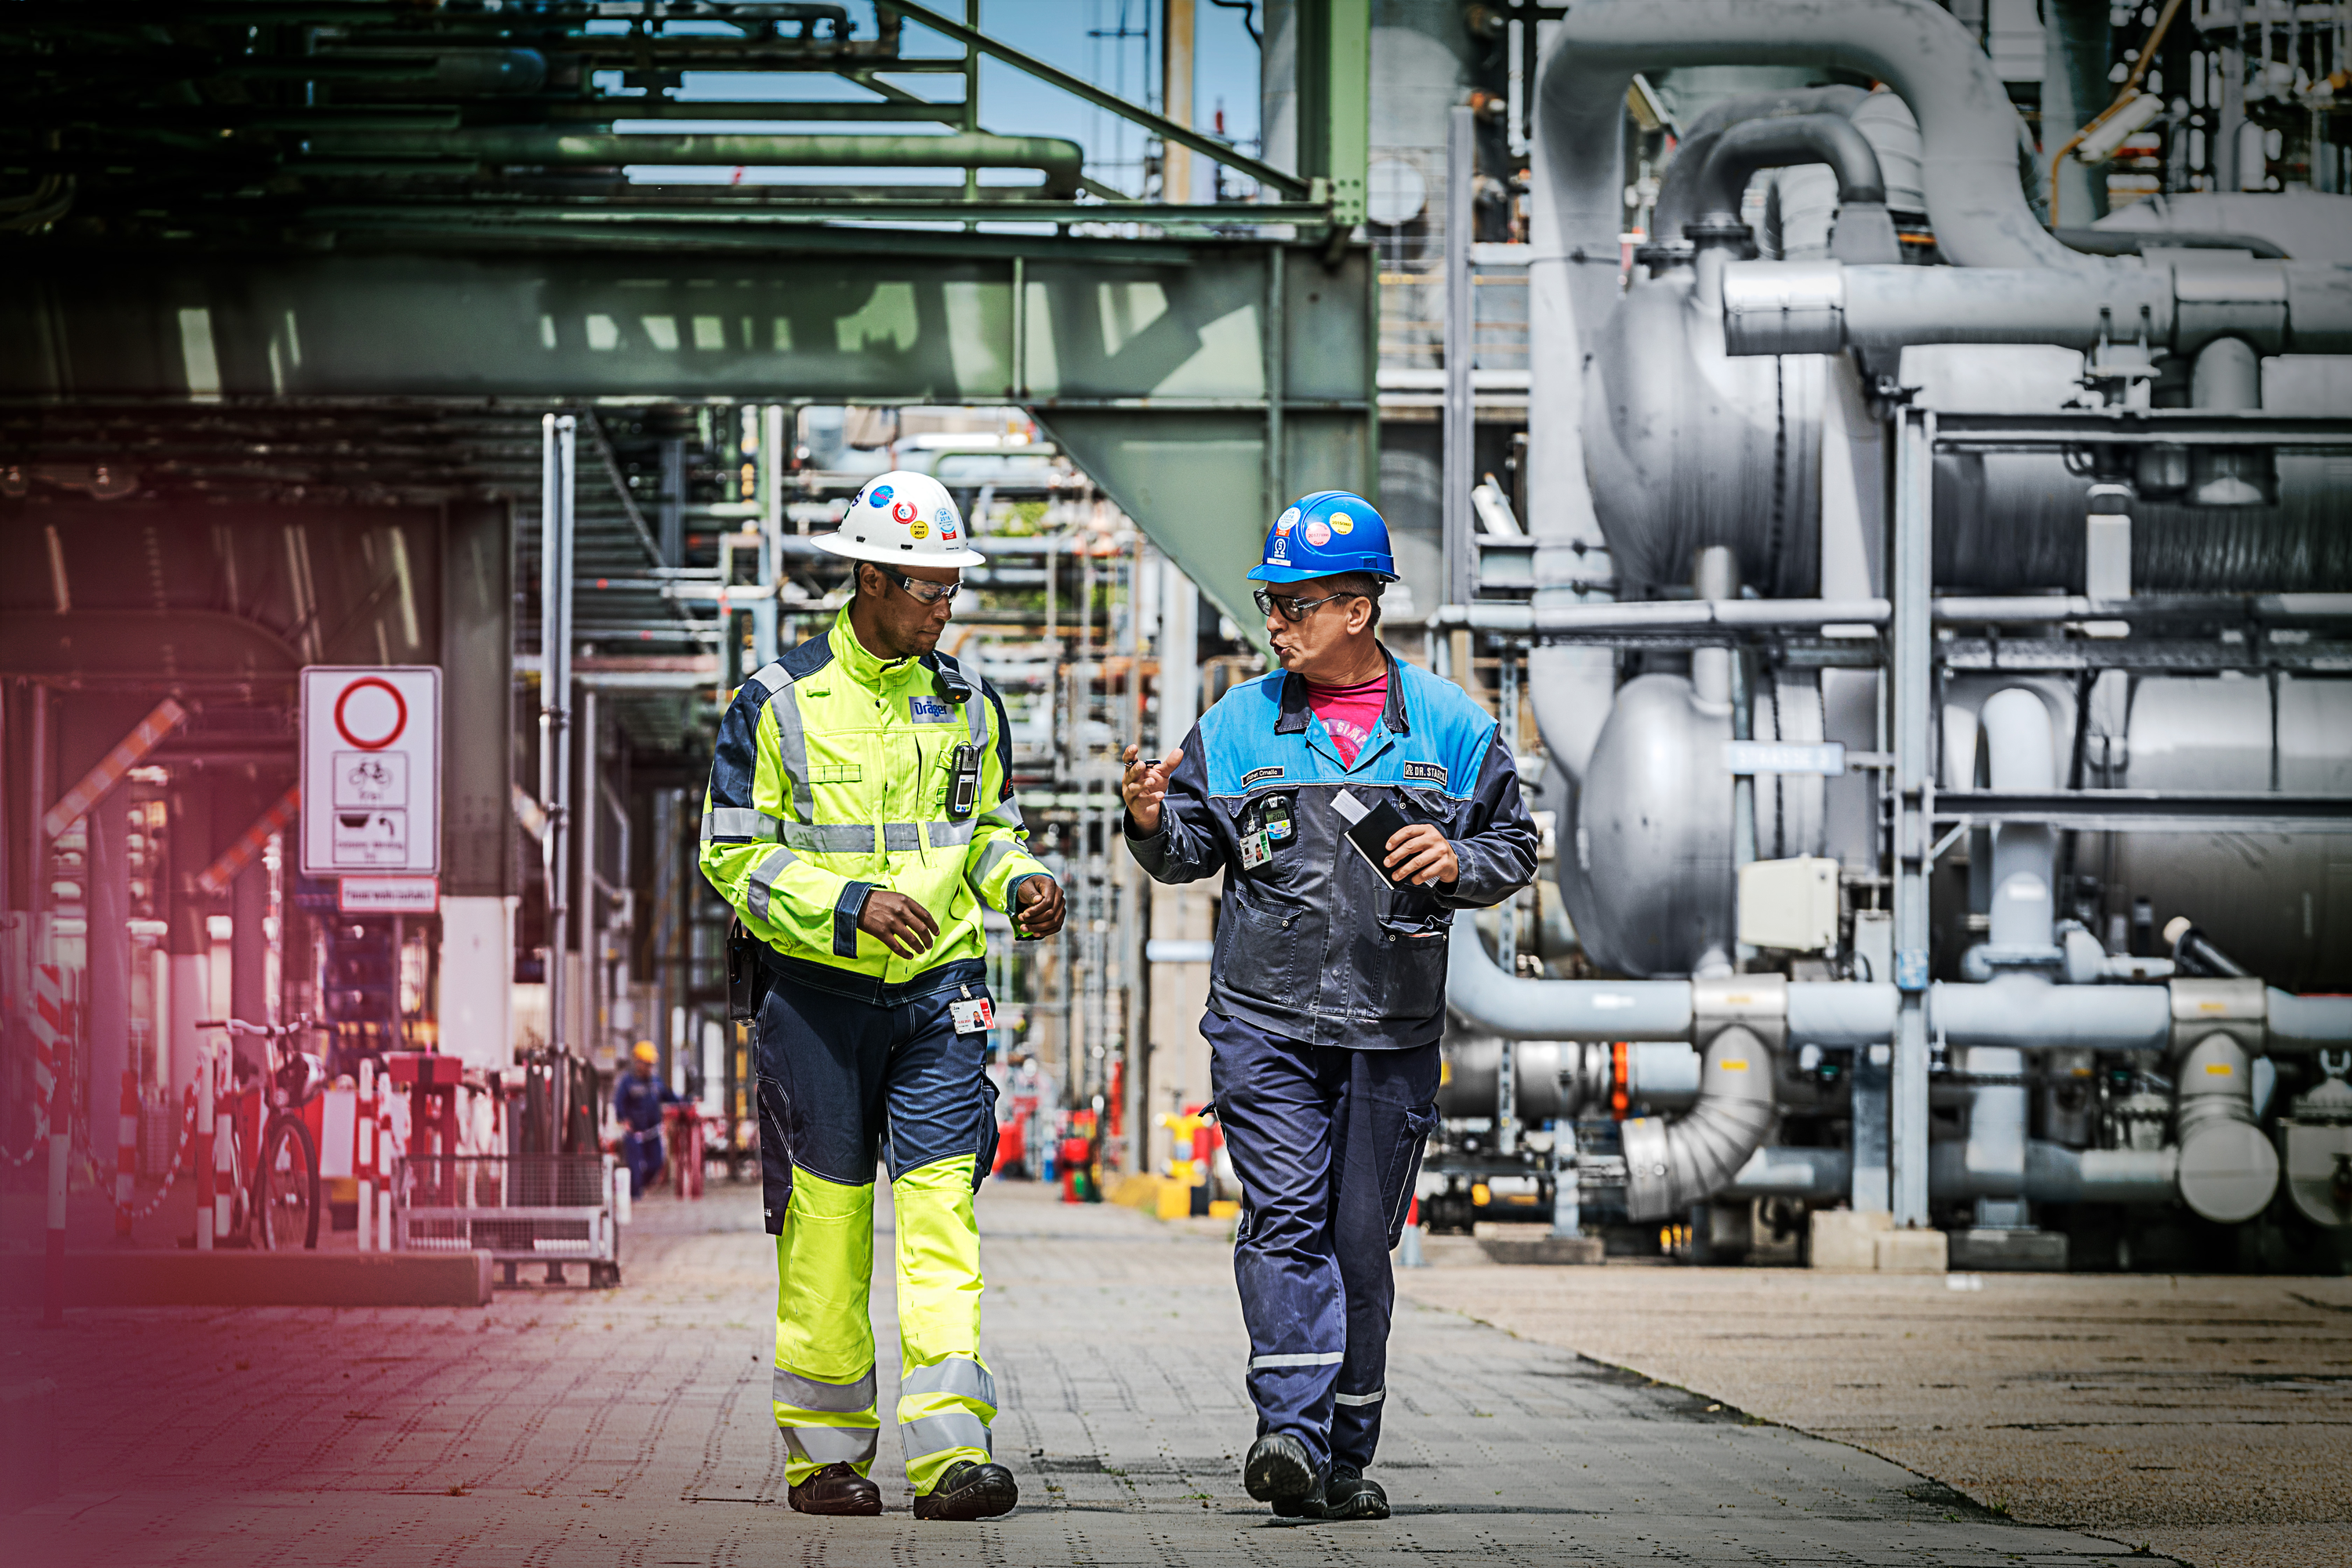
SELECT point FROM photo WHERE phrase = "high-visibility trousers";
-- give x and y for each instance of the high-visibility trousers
(850, 1071)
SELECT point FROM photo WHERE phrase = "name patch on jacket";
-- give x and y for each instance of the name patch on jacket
(1426, 773)
(930, 710)
(1255, 775)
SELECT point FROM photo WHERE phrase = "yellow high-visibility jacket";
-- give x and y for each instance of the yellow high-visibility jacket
(831, 779)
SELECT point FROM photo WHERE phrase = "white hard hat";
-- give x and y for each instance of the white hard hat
(903, 519)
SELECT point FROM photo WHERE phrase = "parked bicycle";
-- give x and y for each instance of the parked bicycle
(278, 1181)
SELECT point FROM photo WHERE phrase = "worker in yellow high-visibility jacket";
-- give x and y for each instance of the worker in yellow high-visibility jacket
(860, 815)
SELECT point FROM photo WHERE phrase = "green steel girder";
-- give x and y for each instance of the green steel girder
(1201, 384)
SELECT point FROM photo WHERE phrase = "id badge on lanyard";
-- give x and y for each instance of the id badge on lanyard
(972, 1015)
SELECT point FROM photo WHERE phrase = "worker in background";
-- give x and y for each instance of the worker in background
(860, 817)
(1353, 803)
(638, 1101)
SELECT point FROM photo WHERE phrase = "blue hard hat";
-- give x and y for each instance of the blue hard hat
(1323, 535)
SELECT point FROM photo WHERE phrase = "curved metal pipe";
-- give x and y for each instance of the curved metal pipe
(1967, 127)
(1476, 987)
(1670, 1164)
(1776, 144)
(1678, 192)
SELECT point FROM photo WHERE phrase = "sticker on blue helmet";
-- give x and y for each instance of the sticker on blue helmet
(1286, 521)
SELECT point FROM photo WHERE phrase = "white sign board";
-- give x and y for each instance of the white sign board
(389, 896)
(370, 770)
(1785, 757)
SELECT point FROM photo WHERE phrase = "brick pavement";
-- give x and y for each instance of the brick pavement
(631, 1427)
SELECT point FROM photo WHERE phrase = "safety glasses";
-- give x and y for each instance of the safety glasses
(1294, 610)
(922, 592)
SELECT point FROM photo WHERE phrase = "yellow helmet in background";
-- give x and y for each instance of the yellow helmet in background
(646, 1053)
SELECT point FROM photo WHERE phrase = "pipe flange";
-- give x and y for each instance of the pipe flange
(2237, 1007)
(1758, 1002)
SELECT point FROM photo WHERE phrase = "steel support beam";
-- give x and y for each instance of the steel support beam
(1911, 581)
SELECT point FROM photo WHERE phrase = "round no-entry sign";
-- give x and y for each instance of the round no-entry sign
(370, 713)
(372, 780)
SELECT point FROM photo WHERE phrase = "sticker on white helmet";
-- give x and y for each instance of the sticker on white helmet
(1317, 535)
(919, 530)
(880, 495)
(905, 512)
(943, 517)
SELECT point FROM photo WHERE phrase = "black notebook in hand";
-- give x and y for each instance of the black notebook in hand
(1369, 829)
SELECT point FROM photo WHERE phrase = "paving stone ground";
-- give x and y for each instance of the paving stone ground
(631, 1427)
(2210, 1418)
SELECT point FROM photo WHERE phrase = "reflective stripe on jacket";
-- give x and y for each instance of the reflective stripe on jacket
(1314, 944)
(831, 779)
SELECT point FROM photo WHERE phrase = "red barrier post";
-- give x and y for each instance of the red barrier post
(126, 1152)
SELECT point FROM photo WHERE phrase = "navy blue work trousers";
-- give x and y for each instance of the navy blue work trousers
(640, 1148)
(1328, 1143)
(851, 1069)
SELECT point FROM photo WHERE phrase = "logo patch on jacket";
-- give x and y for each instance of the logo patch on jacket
(1255, 775)
(1426, 773)
(930, 711)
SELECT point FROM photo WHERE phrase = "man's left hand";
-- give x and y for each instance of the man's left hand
(1038, 906)
(1421, 853)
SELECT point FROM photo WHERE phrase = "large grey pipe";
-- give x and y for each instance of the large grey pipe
(1670, 1164)
(1967, 127)
(1827, 307)
(1778, 142)
(1500, 1003)
(1679, 192)
(1969, 179)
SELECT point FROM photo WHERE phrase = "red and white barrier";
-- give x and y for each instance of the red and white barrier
(224, 1147)
(363, 1155)
(206, 1135)
(126, 1151)
(50, 1092)
(384, 1239)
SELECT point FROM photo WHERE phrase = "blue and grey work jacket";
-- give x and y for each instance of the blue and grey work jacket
(1313, 943)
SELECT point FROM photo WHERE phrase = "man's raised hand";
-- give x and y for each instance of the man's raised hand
(1145, 785)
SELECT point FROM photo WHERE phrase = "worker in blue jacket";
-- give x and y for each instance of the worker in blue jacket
(638, 1101)
(1326, 981)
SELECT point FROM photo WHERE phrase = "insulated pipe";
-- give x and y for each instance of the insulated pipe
(1827, 307)
(2027, 1011)
(2054, 1174)
(2305, 1023)
(2022, 759)
(1500, 1003)
(2229, 1170)
(1664, 615)
(1967, 127)
(1671, 1165)
(1678, 192)
(1778, 142)
(1781, 1173)
(1060, 160)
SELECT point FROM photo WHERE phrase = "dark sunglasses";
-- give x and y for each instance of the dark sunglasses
(1294, 610)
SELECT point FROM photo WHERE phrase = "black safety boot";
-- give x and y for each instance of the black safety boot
(1278, 1471)
(969, 1491)
(1351, 1496)
(836, 1488)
